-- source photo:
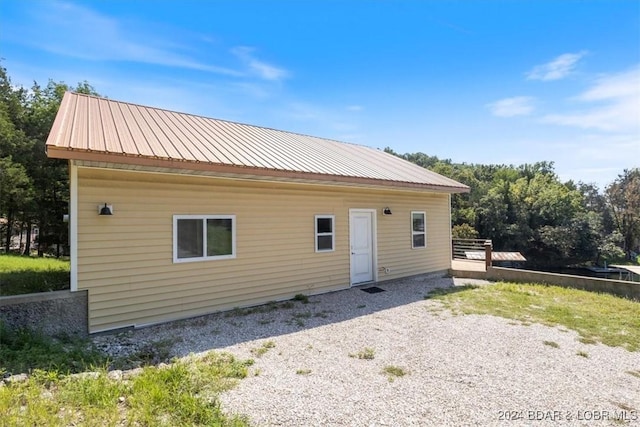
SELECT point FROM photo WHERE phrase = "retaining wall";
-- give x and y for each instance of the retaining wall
(616, 287)
(52, 313)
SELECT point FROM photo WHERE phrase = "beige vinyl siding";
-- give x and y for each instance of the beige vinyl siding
(126, 260)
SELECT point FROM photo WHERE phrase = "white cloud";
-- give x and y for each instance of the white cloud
(262, 69)
(557, 69)
(611, 104)
(510, 107)
(79, 32)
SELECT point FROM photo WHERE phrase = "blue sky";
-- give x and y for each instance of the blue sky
(475, 81)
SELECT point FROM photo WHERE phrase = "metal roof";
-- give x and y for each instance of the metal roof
(103, 130)
(632, 268)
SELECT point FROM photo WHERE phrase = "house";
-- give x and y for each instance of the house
(174, 215)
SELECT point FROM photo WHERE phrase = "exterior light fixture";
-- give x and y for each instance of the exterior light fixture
(386, 211)
(105, 210)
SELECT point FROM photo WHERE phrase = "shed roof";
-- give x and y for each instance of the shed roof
(103, 130)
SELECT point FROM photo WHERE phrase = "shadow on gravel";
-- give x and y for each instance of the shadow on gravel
(450, 290)
(223, 329)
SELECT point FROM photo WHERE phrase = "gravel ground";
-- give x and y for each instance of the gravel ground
(459, 370)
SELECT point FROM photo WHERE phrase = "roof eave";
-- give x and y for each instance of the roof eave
(95, 156)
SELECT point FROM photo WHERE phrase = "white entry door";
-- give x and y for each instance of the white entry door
(362, 245)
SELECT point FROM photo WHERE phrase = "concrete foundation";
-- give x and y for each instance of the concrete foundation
(52, 313)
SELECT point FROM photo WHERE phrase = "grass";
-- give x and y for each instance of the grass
(366, 354)
(263, 349)
(583, 354)
(393, 372)
(183, 393)
(601, 318)
(551, 344)
(303, 371)
(24, 275)
(23, 351)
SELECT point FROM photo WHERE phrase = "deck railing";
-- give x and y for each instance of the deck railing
(460, 247)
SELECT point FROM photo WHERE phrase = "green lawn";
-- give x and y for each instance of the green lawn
(24, 275)
(596, 317)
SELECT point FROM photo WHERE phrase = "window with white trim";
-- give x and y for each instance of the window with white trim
(203, 237)
(325, 233)
(418, 229)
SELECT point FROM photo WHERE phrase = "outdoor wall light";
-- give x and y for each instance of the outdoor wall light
(386, 211)
(105, 210)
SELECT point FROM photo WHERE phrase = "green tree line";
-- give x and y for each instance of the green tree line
(34, 190)
(528, 209)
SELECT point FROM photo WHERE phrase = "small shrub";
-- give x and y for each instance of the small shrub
(303, 371)
(551, 344)
(583, 354)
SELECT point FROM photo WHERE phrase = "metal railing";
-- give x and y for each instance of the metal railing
(460, 247)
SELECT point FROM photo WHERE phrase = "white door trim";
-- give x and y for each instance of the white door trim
(73, 224)
(374, 244)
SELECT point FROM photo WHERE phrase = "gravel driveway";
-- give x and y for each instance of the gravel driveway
(314, 367)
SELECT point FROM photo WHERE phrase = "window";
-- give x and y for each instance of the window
(203, 237)
(325, 233)
(418, 230)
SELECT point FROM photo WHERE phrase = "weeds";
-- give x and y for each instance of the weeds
(323, 314)
(265, 308)
(302, 298)
(366, 354)
(23, 350)
(183, 393)
(551, 344)
(393, 372)
(303, 371)
(263, 349)
(583, 354)
(149, 354)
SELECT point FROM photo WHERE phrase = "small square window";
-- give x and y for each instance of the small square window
(418, 230)
(325, 233)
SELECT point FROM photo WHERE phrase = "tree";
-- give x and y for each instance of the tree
(16, 192)
(623, 199)
(527, 208)
(464, 231)
(26, 118)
